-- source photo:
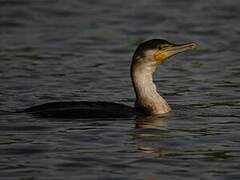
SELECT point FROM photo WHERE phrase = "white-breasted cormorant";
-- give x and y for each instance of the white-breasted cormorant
(146, 58)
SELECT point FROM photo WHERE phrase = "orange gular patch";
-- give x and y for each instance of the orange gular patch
(160, 57)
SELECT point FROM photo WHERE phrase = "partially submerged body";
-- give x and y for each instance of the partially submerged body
(146, 58)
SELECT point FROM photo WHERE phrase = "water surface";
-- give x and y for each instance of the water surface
(81, 50)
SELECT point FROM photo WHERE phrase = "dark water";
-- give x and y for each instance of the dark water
(81, 50)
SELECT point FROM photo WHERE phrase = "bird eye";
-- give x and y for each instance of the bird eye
(162, 46)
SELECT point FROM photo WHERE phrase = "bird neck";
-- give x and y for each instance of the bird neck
(147, 97)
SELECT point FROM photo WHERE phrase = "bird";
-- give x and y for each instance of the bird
(148, 102)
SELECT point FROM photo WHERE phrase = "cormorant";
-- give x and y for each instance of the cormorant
(145, 60)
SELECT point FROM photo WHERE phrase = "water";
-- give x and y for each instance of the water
(81, 50)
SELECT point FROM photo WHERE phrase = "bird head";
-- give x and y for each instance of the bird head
(158, 51)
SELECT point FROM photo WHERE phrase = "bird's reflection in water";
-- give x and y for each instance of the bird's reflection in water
(155, 151)
(154, 122)
(149, 128)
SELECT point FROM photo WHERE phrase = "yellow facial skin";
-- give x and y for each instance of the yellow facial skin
(160, 56)
(169, 50)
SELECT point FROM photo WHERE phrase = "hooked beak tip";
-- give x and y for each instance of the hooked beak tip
(193, 45)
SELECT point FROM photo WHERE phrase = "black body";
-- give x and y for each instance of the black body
(82, 109)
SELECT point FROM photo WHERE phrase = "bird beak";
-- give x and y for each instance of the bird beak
(179, 48)
(161, 55)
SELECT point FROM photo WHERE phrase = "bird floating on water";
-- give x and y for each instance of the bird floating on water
(145, 60)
